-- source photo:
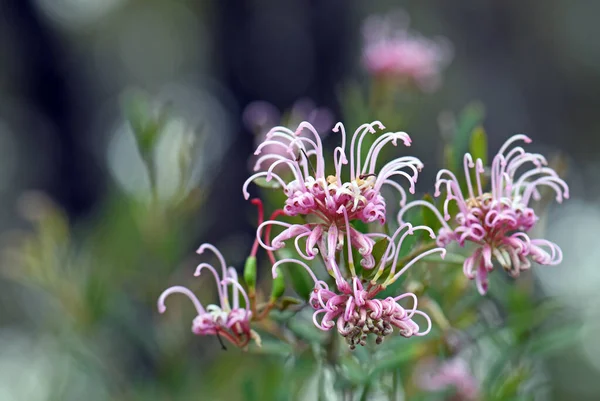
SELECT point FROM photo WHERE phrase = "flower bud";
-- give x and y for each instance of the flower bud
(250, 272)
(278, 287)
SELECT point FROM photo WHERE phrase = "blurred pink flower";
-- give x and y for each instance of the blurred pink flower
(228, 319)
(498, 221)
(259, 117)
(392, 51)
(329, 201)
(439, 375)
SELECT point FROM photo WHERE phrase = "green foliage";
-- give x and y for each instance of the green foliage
(469, 120)
(478, 146)
(297, 276)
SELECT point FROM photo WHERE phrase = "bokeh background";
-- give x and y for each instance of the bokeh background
(72, 180)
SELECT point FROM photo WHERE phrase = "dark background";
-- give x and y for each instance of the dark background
(535, 65)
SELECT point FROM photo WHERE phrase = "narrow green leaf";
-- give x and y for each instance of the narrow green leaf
(299, 278)
(470, 117)
(262, 182)
(381, 245)
(353, 371)
(429, 218)
(556, 339)
(479, 144)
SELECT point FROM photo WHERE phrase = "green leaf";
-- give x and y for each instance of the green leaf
(450, 258)
(471, 117)
(509, 388)
(381, 245)
(353, 370)
(146, 126)
(299, 278)
(556, 339)
(262, 182)
(429, 218)
(395, 360)
(309, 333)
(479, 144)
(286, 302)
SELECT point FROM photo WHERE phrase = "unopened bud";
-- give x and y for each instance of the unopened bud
(250, 272)
(278, 286)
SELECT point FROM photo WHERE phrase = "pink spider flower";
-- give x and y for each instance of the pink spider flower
(354, 309)
(439, 375)
(498, 221)
(391, 51)
(328, 201)
(228, 320)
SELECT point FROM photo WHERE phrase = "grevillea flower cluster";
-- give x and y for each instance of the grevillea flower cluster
(229, 319)
(327, 201)
(498, 221)
(391, 51)
(331, 203)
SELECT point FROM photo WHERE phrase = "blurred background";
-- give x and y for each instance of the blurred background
(90, 237)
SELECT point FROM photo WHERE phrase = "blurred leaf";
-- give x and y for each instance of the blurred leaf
(470, 117)
(307, 332)
(286, 302)
(450, 258)
(509, 388)
(504, 361)
(299, 278)
(262, 182)
(353, 371)
(273, 347)
(145, 125)
(479, 145)
(396, 359)
(354, 106)
(249, 390)
(429, 218)
(381, 245)
(555, 339)
(449, 158)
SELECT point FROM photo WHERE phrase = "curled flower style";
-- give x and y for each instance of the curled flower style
(356, 311)
(498, 221)
(228, 320)
(391, 51)
(434, 375)
(327, 201)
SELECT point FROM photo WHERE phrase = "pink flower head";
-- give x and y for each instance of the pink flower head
(327, 201)
(392, 51)
(356, 311)
(498, 221)
(228, 319)
(440, 375)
